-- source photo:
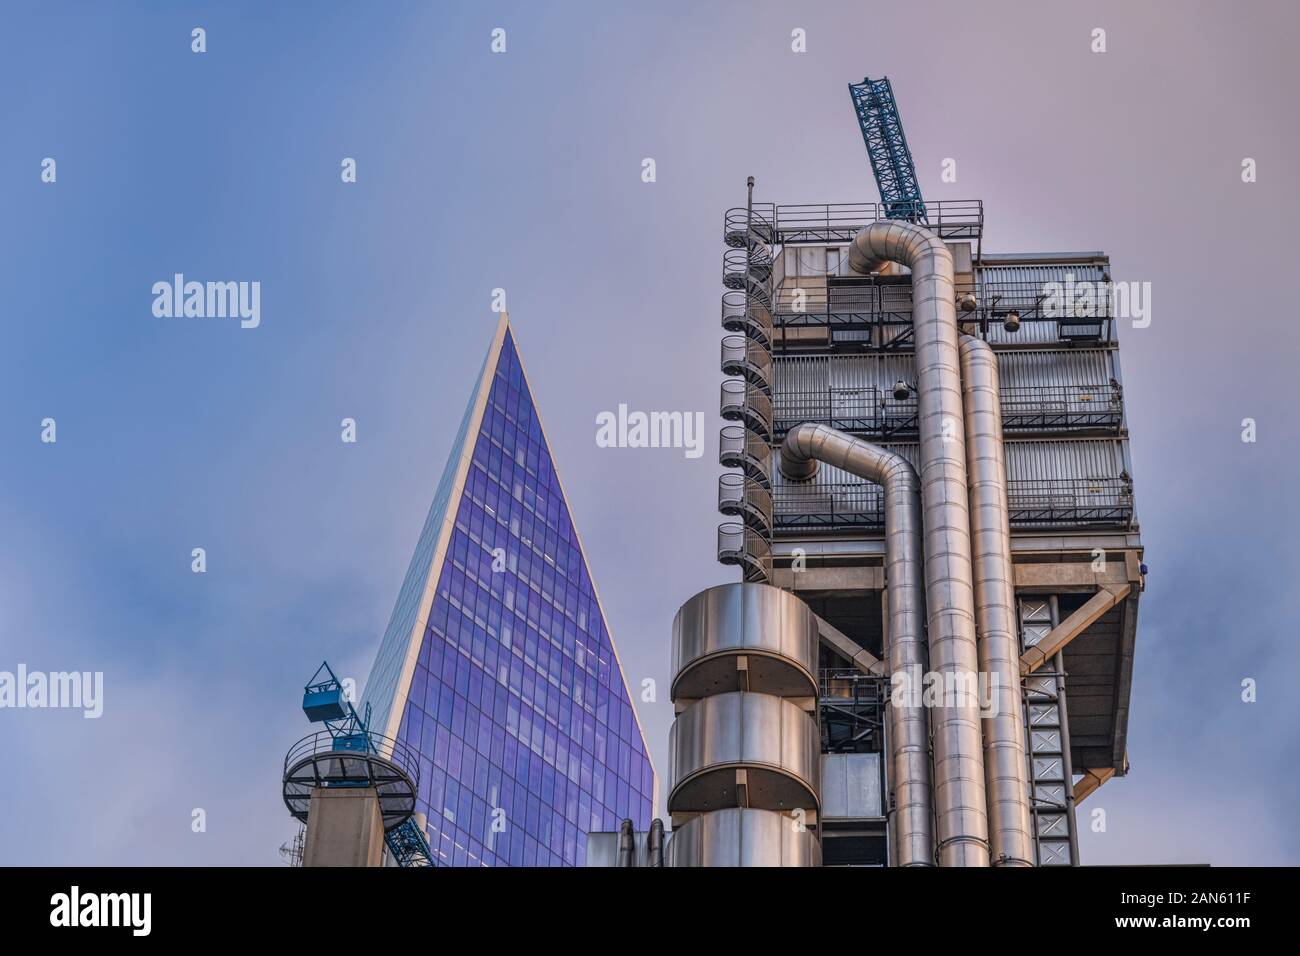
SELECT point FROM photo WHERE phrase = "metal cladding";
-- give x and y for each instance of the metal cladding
(909, 734)
(774, 743)
(743, 837)
(774, 631)
(744, 743)
(1005, 770)
(960, 804)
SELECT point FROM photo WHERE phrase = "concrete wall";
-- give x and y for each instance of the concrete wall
(344, 828)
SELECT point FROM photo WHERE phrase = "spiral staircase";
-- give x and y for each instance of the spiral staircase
(745, 495)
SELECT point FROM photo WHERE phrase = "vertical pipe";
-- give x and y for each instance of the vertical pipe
(749, 232)
(655, 841)
(909, 754)
(626, 844)
(893, 839)
(960, 801)
(1005, 775)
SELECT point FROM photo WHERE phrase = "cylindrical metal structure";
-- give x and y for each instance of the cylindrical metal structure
(1005, 772)
(748, 750)
(655, 842)
(960, 804)
(909, 736)
(771, 631)
(743, 837)
(745, 758)
(626, 844)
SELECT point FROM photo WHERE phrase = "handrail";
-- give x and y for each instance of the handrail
(839, 222)
(1031, 502)
(843, 683)
(738, 544)
(388, 749)
(848, 504)
(874, 410)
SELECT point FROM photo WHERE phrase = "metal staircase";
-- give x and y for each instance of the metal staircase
(746, 398)
(1048, 737)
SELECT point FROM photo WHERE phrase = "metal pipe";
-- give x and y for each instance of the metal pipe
(1005, 773)
(908, 734)
(656, 842)
(626, 844)
(960, 801)
(749, 232)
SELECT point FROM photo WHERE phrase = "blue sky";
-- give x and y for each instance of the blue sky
(522, 171)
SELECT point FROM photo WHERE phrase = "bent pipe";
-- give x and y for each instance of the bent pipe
(959, 793)
(909, 735)
(1005, 770)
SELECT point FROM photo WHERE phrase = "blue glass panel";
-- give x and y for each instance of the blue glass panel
(518, 703)
(386, 672)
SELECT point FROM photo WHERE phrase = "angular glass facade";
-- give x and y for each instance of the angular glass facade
(515, 697)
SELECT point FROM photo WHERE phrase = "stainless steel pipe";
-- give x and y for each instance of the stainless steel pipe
(961, 814)
(1005, 768)
(909, 735)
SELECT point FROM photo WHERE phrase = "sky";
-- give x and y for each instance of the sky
(522, 171)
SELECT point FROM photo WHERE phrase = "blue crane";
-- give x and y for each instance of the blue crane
(325, 702)
(891, 160)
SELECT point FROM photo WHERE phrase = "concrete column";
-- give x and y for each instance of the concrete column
(344, 828)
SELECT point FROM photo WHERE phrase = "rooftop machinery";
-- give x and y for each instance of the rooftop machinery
(347, 755)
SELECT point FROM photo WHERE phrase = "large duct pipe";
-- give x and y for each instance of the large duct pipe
(1005, 771)
(949, 592)
(909, 736)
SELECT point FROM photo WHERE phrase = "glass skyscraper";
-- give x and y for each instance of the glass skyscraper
(497, 665)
